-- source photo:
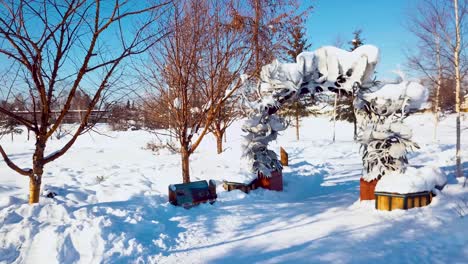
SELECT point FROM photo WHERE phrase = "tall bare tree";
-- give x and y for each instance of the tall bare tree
(440, 28)
(267, 22)
(458, 78)
(78, 44)
(426, 28)
(194, 71)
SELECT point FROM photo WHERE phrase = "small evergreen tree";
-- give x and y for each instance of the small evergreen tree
(297, 42)
(295, 45)
(357, 40)
(345, 109)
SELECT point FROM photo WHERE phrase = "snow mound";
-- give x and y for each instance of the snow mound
(412, 180)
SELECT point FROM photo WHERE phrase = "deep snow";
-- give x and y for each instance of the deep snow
(112, 204)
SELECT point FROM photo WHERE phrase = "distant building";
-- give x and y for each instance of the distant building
(72, 116)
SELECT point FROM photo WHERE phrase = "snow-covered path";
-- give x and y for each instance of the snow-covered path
(125, 218)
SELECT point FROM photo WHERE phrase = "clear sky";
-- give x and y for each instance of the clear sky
(383, 23)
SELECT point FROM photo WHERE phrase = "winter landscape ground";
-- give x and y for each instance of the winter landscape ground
(112, 204)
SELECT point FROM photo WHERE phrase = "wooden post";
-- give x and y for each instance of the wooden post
(367, 189)
(284, 157)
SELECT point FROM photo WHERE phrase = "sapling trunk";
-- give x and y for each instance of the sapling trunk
(35, 179)
(219, 143)
(185, 165)
(297, 124)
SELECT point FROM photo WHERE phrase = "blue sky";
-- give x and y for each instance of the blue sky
(383, 23)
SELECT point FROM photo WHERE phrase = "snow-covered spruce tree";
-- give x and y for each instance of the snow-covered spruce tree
(345, 109)
(295, 45)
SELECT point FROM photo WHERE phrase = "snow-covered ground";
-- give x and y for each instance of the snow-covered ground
(112, 204)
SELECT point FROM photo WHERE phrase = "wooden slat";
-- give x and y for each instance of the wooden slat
(392, 201)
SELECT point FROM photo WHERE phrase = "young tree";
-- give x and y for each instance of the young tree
(344, 106)
(229, 112)
(426, 28)
(73, 44)
(195, 70)
(458, 78)
(296, 44)
(356, 41)
(441, 23)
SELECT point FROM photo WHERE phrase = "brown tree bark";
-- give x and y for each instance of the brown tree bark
(219, 141)
(185, 165)
(35, 179)
(34, 190)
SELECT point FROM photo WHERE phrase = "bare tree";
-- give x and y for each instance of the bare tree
(67, 44)
(194, 71)
(426, 28)
(267, 22)
(440, 26)
(225, 59)
(228, 113)
(458, 78)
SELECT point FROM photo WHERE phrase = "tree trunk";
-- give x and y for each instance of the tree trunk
(334, 115)
(34, 189)
(439, 84)
(354, 116)
(219, 141)
(297, 125)
(185, 165)
(456, 58)
(458, 153)
(355, 128)
(35, 179)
